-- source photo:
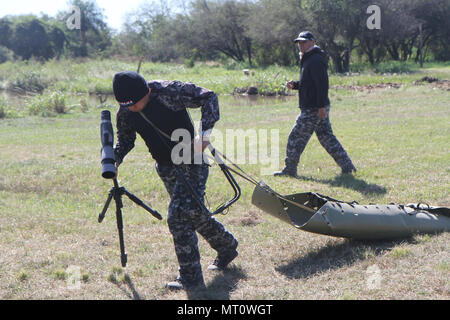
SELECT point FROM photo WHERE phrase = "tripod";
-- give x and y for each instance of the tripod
(116, 192)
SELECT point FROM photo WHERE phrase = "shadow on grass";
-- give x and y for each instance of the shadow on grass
(334, 256)
(130, 290)
(221, 286)
(350, 182)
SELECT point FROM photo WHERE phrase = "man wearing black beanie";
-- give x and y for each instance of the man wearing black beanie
(155, 110)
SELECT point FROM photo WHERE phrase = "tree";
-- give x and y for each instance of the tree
(94, 34)
(220, 26)
(5, 32)
(29, 38)
(272, 25)
(337, 24)
(149, 31)
(433, 15)
(400, 28)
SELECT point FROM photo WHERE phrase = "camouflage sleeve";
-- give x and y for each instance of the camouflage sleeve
(177, 95)
(126, 135)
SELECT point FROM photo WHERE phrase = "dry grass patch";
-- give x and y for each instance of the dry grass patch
(51, 193)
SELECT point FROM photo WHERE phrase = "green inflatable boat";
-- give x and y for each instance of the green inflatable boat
(320, 214)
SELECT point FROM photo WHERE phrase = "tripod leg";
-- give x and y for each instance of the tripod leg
(105, 207)
(139, 202)
(116, 193)
(123, 254)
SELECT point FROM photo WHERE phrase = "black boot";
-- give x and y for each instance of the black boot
(351, 170)
(286, 172)
(224, 258)
(180, 284)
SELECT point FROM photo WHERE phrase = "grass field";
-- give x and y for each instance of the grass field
(51, 193)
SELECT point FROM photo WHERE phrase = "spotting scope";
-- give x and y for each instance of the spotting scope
(107, 152)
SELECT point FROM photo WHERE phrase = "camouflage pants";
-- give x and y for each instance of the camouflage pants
(307, 123)
(185, 218)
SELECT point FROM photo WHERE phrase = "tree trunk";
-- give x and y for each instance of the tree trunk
(249, 51)
(337, 62)
(83, 49)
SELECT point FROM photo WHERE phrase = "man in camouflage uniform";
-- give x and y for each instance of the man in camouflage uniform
(315, 108)
(155, 110)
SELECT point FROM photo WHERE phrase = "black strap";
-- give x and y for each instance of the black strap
(225, 169)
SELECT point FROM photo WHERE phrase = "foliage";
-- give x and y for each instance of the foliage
(47, 104)
(392, 67)
(46, 37)
(255, 33)
(220, 26)
(272, 25)
(3, 107)
(29, 81)
(261, 32)
(149, 32)
(5, 54)
(94, 35)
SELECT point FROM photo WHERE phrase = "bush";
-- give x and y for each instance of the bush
(101, 86)
(270, 82)
(58, 102)
(29, 81)
(2, 112)
(384, 67)
(3, 108)
(36, 106)
(393, 67)
(6, 54)
(230, 64)
(47, 104)
(189, 63)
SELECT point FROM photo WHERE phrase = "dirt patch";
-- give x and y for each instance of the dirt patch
(245, 91)
(249, 218)
(368, 87)
(441, 84)
(264, 91)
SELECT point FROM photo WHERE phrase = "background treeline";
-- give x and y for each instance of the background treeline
(258, 32)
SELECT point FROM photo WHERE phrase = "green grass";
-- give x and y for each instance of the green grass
(78, 83)
(399, 253)
(94, 76)
(51, 193)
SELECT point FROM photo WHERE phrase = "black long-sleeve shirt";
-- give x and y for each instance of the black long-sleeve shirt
(313, 85)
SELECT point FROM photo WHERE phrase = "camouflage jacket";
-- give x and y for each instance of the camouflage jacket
(175, 96)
